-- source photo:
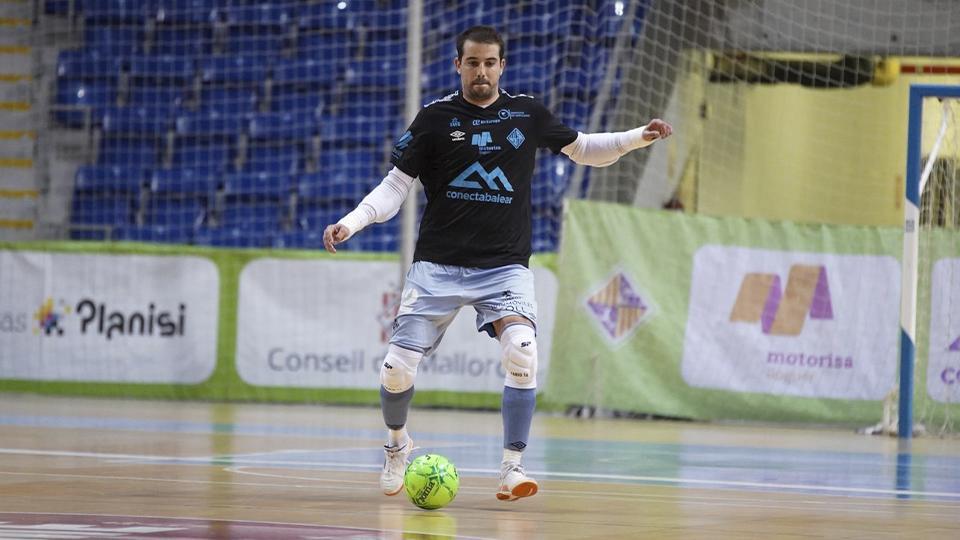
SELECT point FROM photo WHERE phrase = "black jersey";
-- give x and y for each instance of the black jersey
(476, 165)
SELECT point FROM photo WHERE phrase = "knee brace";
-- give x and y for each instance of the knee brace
(399, 369)
(519, 345)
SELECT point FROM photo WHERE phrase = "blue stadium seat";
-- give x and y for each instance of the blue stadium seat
(84, 64)
(394, 50)
(317, 189)
(307, 72)
(439, 77)
(240, 42)
(147, 94)
(546, 234)
(309, 102)
(186, 11)
(181, 183)
(283, 126)
(379, 73)
(266, 16)
(233, 70)
(229, 101)
(256, 216)
(115, 11)
(101, 210)
(358, 130)
(60, 7)
(327, 16)
(141, 121)
(182, 40)
(209, 124)
(326, 45)
(74, 94)
(257, 186)
(299, 239)
(127, 152)
(107, 179)
(113, 40)
(531, 79)
(187, 213)
(234, 237)
(201, 156)
(162, 68)
(311, 217)
(273, 159)
(166, 234)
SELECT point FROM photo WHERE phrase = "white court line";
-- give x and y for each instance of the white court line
(558, 475)
(252, 522)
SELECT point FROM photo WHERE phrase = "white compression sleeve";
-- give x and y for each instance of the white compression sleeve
(602, 149)
(380, 204)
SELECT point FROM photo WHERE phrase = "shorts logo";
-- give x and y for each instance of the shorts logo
(783, 313)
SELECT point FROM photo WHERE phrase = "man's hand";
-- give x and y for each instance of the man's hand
(657, 129)
(333, 235)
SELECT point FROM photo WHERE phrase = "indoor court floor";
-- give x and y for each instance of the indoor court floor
(75, 468)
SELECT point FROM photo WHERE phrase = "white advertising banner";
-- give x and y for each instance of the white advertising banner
(943, 364)
(325, 324)
(788, 323)
(107, 318)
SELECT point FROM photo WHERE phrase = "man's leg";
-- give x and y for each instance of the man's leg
(397, 373)
(519, 346)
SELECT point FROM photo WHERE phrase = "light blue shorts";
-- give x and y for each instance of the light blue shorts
(434, 293)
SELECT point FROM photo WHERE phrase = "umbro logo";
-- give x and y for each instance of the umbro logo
(457, 135)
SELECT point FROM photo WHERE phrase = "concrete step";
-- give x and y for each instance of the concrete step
(17, 178)
(16, 9)
(16, 59)
(17, 144)
(18, 209)
(16, 90)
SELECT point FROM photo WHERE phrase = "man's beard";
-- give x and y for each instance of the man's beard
(481, 92)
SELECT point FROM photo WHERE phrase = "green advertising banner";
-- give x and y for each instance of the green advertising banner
(181, 322)
(717, 318)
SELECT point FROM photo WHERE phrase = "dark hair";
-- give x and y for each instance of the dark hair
(480, 34)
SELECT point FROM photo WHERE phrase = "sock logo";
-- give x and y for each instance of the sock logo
(783, 312)
(519, 445)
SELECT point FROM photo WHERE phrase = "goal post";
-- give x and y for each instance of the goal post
(916, 177)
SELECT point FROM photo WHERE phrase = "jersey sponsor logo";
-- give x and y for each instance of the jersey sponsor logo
(516, 138)
(484, 141)
(507, 114)
(489, 178)
(486, 122)
(457, 136)
(477, 192)
(402, 144)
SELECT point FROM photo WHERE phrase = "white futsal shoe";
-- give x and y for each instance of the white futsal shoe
(396, 459)
(514, 483)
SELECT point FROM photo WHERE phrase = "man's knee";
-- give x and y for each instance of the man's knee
(519, 345)
(399, 369)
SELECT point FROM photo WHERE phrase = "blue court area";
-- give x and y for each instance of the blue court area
(909, 473)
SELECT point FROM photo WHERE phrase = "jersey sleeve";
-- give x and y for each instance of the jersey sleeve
(554, 134)
(411, 148)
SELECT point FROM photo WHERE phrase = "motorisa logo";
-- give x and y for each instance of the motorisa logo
(830, 332)
(784, 312)
(470, 181)
(943, 360)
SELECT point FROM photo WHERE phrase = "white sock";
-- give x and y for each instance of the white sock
(397, 437)
(511, 456)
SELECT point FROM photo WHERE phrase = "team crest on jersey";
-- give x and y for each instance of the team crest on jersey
(455, 123)
(457, 135)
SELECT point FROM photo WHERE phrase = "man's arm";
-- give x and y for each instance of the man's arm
(603, 149)
(378, 206)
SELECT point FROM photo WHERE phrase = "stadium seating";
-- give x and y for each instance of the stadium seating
(256, 123)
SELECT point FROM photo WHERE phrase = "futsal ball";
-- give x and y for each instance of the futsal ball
(431, 481)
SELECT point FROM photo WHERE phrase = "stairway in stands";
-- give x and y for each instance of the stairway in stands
(19, 190)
